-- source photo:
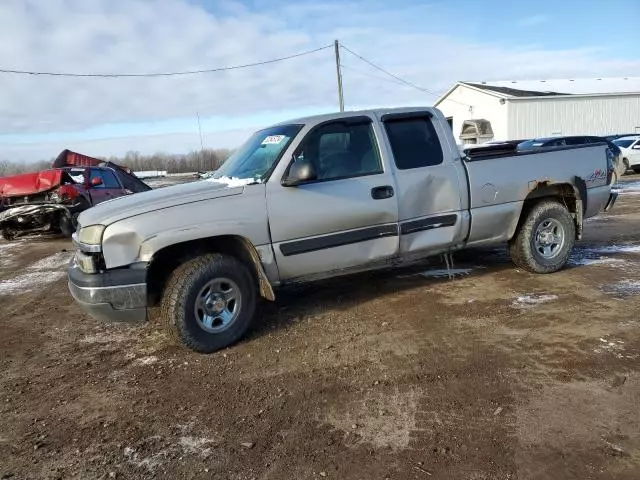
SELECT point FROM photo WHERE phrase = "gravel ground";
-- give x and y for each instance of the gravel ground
(494, 374)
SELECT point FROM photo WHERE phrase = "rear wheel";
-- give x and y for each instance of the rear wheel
(544, 241)
(209, 302)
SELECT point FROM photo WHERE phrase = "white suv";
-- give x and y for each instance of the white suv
(630, 147)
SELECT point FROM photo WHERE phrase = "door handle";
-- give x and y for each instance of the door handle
(380, 193)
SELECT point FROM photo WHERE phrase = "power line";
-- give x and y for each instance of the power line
(164, 74)
(366, 74)
(400, 79)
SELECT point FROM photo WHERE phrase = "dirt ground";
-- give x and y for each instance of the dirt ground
(495, 374)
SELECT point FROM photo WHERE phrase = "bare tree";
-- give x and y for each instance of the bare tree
(205, 160)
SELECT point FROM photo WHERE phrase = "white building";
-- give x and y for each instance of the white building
(513, 110)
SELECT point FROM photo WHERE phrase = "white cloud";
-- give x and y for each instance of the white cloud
(164, 35)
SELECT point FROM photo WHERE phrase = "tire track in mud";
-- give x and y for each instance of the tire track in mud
(466, 398)
(442, 357)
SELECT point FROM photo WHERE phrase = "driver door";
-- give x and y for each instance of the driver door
(103, 186)
(345, 218)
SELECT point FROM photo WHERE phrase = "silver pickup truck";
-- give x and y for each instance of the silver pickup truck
(324, 196)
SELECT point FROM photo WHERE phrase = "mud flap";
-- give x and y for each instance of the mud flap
(611, 202)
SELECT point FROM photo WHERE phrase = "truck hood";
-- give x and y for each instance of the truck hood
(120, 208)
(30, 183)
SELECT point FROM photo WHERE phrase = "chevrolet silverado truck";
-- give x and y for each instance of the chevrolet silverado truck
(320, 197)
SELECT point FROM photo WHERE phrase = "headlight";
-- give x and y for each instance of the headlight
(91, 235)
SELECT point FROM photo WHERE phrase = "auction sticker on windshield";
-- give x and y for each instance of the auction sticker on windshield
(273, 139)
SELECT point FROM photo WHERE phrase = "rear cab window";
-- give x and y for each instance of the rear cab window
(414, 142)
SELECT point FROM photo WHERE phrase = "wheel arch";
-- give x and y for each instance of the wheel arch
(572, 196)
(167, 259)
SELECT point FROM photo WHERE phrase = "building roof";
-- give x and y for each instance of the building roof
(526, 89)
(512, 92)
(576, 86)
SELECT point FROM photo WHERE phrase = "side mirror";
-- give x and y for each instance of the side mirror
(96, 181)
(301, 171)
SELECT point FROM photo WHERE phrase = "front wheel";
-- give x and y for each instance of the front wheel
(209, 302)
(8, 234)
(544, 241)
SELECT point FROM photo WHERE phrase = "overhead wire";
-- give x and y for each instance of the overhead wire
(392, 75)
(366, 74)
(163, 74)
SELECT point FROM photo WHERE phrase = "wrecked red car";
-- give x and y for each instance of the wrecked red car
(51, 200)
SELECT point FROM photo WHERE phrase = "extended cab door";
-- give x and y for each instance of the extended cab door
(432, 185)
(348, 216)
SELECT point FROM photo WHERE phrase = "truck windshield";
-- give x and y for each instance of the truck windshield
(255, 159)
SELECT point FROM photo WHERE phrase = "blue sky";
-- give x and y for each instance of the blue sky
(430, 43)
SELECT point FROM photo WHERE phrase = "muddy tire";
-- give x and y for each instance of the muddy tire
(209, 302)
(544, 240)
(66, 226)
(8, 234)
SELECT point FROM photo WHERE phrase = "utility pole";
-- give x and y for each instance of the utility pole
(201, 143)
(336, 44)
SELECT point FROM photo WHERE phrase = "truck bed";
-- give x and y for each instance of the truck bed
(499, 182)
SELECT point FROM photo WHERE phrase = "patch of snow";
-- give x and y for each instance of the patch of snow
(626, 188)
(150, 463)
(28, 282)
(583, 261)
(441, 273)
(197, 445)
(185, 445)
(146, 360)
(623, 288)
(106, 337)
(232, 181)
(37, 275)
(52, 262)
(615, 347)
(597, 219)
(528, 301)
(628, 248)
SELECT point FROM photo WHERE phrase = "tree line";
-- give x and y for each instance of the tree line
(196, 161)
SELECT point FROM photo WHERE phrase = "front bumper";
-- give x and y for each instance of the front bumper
(113, 296)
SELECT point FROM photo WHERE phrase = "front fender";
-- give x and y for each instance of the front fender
(138, 238)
